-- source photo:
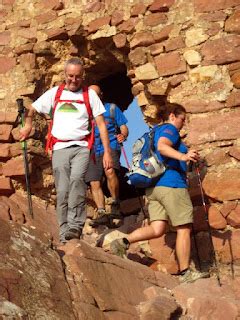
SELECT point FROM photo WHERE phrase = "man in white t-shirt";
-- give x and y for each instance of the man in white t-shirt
(70, 151)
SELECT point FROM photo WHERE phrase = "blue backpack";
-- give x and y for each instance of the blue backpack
(146, 168)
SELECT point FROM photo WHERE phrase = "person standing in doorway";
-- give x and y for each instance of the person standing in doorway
(70, 131)
(118, 132)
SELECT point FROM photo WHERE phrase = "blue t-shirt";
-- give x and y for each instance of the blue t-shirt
(118, 121)
(171, 178)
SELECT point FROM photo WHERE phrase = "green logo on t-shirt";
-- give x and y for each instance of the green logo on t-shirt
(67, 107)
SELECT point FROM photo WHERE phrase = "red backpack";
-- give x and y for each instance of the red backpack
(51, 140)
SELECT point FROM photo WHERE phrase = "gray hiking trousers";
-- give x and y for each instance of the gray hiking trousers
(69, 168)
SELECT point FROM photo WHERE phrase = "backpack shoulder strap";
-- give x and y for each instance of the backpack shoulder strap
(87, 102)
(57, 98)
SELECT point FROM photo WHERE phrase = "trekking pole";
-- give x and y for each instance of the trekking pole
(21, 111)
(206, 217)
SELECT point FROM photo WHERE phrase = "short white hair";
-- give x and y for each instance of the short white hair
(75, 61)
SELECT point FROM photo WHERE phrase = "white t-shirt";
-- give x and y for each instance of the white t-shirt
(71, 121)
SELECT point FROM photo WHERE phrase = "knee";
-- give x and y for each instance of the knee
(157, 232)
(95, 185)
(62, 196)
(110, 173)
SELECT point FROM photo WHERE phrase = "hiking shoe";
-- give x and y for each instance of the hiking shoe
(191, 276)
(73, 234)
(101, 219)
(119, 247)
(115, 210)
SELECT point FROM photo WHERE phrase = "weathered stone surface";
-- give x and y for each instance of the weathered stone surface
(6, 64)
(156, 49)
(232, 23)
(227, 187)
(4, 150)
(163, 34)
(24, 283)
(46, 17)
(233, 218)
(25, 48)
(15, 167)
(6, 187)
(199, 106)
(57, 34)
(217, 157)
(235, 152)
(221, 51)
(227, 207)
(192, 57)
(169, 64)
(98, 23)
(5, 132)
(206, 6)
(128, 26)
(161, 5)
(213, 304)
(52, 4)
(28, 61)
(210, 128)
(138, 56)
(236, 79)
(195, 36)
(142, 39)
(117, 18)
(214, 16)
(137, 9)
(28, 33)
(174, 44)
(155, 19)
(5, 38)
(157, 87)
(120, 40)
(99, 270)
(216, 220)
(233, 99)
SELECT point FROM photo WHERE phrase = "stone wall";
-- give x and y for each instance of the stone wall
(187, 50)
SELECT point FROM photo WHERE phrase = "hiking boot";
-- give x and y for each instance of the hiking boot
(102, 219)
(115, 210)
(73, 234)
(119, 247)
(191, 276)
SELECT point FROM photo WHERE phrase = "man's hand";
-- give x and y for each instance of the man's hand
(25, 132)
(107, 161)
(120, 138)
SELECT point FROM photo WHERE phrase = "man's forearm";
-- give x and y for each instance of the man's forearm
(29, 116)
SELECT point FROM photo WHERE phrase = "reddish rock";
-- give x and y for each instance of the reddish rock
(213, 304)
(169, 64)
(46, 17)
(217, 157)
(6, 64)
(215, 218)
(156, 48)
(206, 6)
(174, 44)
(235, 152)
(216, 87)
(232, 24)
(117, 18)
(43, 48)
(234, 217)
(15, 214)
(15, 149)
(155, 19)
(138, 56)
(120, 40)
(15, 168)
(4, 150)
(161, 5)
(210, 128)
(166, 255)
(199, 106)
(233, 99)
(3, 14)
(199, 219)
(5, 38)
(98, 23)
(57, 34)
(227, 207)
(214, 29)
(128, 26)
(5, 132)
(142, 39)
(221, 51)
(227, 186)
(233, 67)
(28, 33)
(8, 117)
(235, 78)
(6, 187)
(94, 6)
(28, 61)
(25, 48)
(51, 4)
(176, 80)
(214, 16)
(163, 34)
(4, 210)
(137, 9)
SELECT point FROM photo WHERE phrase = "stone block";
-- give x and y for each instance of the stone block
(120, 40)
(98, 23)
(170, 64)
(128, 26)
(161, 5)
(4, 150)
(6, 64)
(233, 99)
(137, 9)
(46, 17)
(155, 19)
(213, 6)
(15, 168)
(142, 39)
(216, 219)
(6, 187)
(8, 117)
(138, 56)
(5, 38)
(174, 44)
(5, 132)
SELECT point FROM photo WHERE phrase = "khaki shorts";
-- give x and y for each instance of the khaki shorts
(170, 204)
